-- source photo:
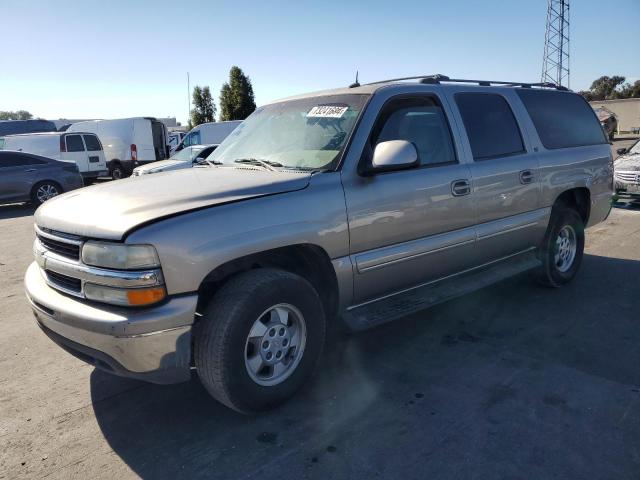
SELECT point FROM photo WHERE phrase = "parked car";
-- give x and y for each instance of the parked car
(608, 121)
(82, 148)
(358, 205)
(627, 171)
(173, 140)
(185, 158)
(208, 134)
(31, 178)
(14, 127)
(128, 142)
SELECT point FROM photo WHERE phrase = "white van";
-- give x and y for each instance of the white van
(83, 148)
(208, 133)
(128, 142)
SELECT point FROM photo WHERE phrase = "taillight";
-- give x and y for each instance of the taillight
(71, 168)
(63, 146)
(134, 152)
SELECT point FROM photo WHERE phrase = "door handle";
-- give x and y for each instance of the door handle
(460, 188)
(526, 176)
(30, 170)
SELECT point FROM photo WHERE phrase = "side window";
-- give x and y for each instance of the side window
(490, 124)
(17, 160)
(74, 143)
(92, 143)
(562, 119)
(421, 121)
(195, 138)
(1, 143)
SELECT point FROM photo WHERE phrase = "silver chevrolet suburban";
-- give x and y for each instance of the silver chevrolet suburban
(354, 206)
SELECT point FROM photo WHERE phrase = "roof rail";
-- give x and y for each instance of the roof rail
(438, 78)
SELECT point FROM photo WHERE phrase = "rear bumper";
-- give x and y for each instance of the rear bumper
(94, 174)
(152, 344)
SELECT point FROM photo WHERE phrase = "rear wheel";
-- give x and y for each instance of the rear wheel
(563, 248)
(116, 171)
(44, 191)
(259, 339)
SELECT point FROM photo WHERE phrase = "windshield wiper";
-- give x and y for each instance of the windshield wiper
(261, 163)
(212, 163)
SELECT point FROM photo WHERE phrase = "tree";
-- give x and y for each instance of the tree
(630, 91)
(19, 115)
(204, 109)
(236, 96)
(604, 88)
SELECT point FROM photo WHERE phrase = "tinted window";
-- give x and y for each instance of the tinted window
(420, 121)
(74, 143)
(490, 125)
(18, 160)
(92, 142)
(562, 119)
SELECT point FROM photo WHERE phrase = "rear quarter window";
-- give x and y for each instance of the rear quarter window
(562, 119)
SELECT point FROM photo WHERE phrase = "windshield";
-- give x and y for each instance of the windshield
(187, 154)
(306, 134)
(635, 148)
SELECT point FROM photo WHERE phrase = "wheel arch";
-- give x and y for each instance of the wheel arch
(310, 261)
(578, 198)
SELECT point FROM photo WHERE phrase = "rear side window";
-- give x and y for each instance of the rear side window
(490, 124)
(74, 143)
(562, 119)
(92, 142)
(421, 121)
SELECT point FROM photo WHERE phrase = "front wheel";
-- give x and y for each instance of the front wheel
(259, 339)
(563, 248)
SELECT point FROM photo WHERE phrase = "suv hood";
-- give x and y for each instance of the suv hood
(163, 166)
(628, 162)
(110, 210)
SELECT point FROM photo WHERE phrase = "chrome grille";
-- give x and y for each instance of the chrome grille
(60, 247)
(64, 282)
(629, 177)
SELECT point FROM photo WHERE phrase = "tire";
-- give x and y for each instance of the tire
(559, 266)
(45, 190)
(116, 171)
(224, 354)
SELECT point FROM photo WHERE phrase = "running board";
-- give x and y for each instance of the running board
(419, 298)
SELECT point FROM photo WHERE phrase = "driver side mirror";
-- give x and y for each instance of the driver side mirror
(392, 155)
(621, 151)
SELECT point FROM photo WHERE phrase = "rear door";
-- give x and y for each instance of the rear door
(95, 154)
(159, 132)
(505, 171)
(77, 152)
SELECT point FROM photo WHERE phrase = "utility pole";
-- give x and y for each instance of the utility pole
(555, 63)
(188, 100)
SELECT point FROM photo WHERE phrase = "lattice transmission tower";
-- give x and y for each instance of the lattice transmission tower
(555, 64)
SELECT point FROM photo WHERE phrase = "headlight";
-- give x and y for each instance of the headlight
(129, 297)
(119, 256)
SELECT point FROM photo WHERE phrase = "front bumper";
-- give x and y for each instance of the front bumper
(152, 344)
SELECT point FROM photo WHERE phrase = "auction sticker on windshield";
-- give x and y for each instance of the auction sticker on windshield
(327, 111)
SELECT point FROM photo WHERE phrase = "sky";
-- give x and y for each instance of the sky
(114, 59)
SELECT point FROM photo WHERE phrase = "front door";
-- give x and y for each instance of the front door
(505, 171)
(412, 226)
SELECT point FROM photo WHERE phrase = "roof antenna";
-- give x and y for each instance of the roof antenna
(356, 83)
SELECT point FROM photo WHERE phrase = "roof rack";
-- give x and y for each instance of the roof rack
(437, 79)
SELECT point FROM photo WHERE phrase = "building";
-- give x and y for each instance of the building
(627, 111)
